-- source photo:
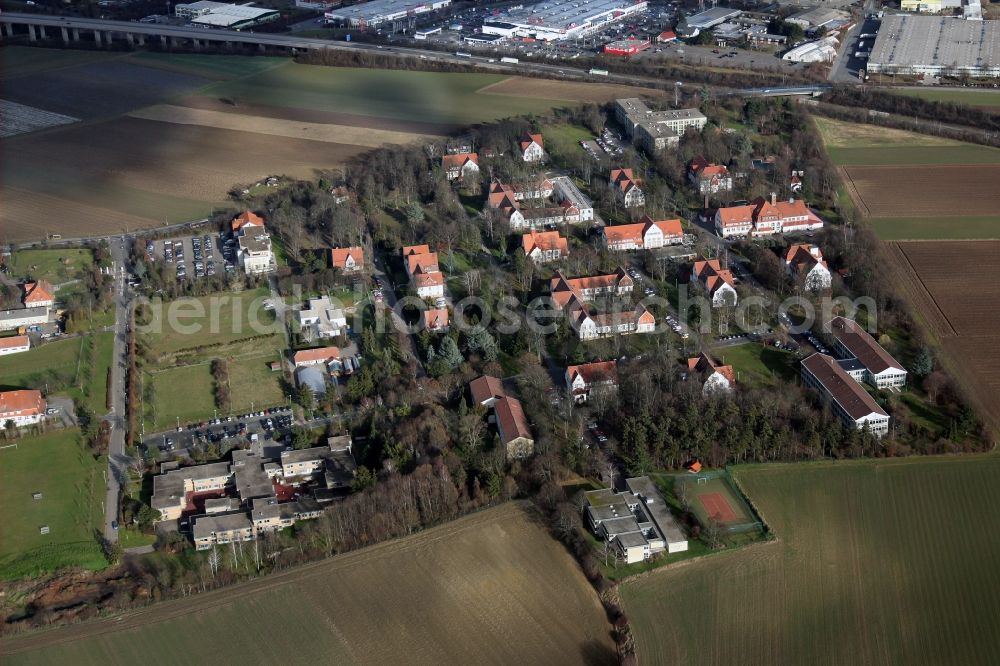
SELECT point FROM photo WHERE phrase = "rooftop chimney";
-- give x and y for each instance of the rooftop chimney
(774, 198)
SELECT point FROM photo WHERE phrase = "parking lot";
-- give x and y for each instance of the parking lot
(265, 426)
(196, 256)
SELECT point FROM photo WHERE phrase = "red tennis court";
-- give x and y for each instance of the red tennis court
(717, 507)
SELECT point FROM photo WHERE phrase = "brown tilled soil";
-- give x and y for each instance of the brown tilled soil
(952, 288)
(570, 91)
(919, 191)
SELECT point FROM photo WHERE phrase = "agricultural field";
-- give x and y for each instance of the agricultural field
(164, 137)
(71, 488)
(875, 562)
(187, 334)
(493, 587)
(916, 187)
(981, 97)
(958, 307)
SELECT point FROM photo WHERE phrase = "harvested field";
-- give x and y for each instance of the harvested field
(491, 588)
(293, 129)
(949, 191)
(876, 562)
(569, 91)
(20, 119)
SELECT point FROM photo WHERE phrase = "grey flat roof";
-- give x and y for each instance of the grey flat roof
(657, 508)
(711, 17)
(225, 522)
(935, 41)
(632, 539)
(20, 313)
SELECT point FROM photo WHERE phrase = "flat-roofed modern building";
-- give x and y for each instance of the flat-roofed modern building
(555, 20)
(377, 12)
(934, 45)
(656, 130)
(847, 398)
(210, 14)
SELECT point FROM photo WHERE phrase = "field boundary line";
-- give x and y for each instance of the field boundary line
(158, 612)
(916, 293)
(852, 191)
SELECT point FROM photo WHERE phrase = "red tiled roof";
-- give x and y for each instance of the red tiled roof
(436, 318)
(459, 160)
(415, 249)
(22, 402)
(511, 421)
(422, 263)
(711, 274)
(485, 388)
(14, 342)
(599, 371)
(736, 215)
(318, 354)
(848, 393)
(532, 138)
(801, 256)
(339, 255)
(498, 193)
(863, 346)
(702, 363)
(545, 241)
(37, 292)
(247, 219)
(428, 279)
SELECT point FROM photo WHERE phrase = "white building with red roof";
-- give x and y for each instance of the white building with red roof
(38, 294)
(805, 264)
(646, 234)
(627, 188)
(763, 217)
(851, 341)
(317, 356)
(591, 326)
(512, 426)
(717, 282)
(565, 291)
(587, 378)
(544, 246)
(708, 177)
(24, 407)
(14, 344)
(255, 252)
(247, 219)
(460, 166)
(436, 320)
(715, 377)
(348, 259)
(532, 148)
(847, 399)
(422, 266)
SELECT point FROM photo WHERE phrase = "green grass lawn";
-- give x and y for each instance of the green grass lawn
(434, 97)
(969, 97)
(187, 323)
(54, 266)
(94, 392)
(72, 485)
(874, 562)
(564, 139)
(213, 67)
(183, 392)
(759, 365)
(252, 383)
(54, 363)
(931, 228)
(133, 538)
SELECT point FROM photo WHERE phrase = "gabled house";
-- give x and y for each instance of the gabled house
(881, 370)
(715, 377)
(14, 344)
(318, 356)
(532, 148)
(348, 259)
(38, 294)
(626, 188)
(565, 290)
(590, 326)
(647, 234)
(246, 219)
(422, 267)
(543, 246)
(429, 285)
(805, 264)
(589, 378)
(436, 320)
(24, 407)
(708, 177)
(763, 217)
(716, 282)
(460, 166)
(512, 426)
(485, 390)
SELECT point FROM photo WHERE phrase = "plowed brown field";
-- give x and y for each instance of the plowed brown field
(924, 190)
(952, 287)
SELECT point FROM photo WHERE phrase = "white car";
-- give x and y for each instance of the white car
(441, 302)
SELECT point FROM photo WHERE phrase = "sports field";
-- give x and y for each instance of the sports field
(71, 484)
(187, 334)
(887, 562)
(915, 186)
(712, 499)
(491, 588)
(163, 137)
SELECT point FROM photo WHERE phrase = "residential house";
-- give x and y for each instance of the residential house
(716, 282)
(544, 246)
(23, 406)
(848, 401)
(254, 252)
(636, 522)
(512, 425)
(626, 188)
(422, 267)
(709, 178)
(715, 377)
(763, 217)
(429, 285)
(532, 148)
(570, 195)
(38, 295)
(647, 234)
(565, 291)
(208, 531)
(436, 320)
(348, 259)
(14, 344)
(806, 266)
(851, 341)
(341, 194)
(590, 325)
(486, 390)
(460, 166)
(321, 319)
(318, 356)
(591, 378)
